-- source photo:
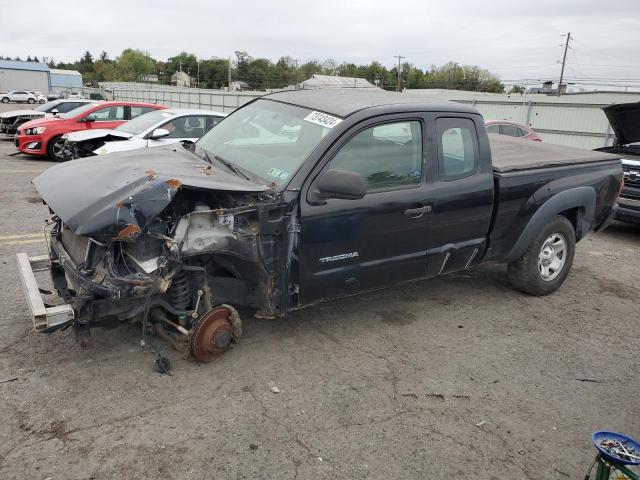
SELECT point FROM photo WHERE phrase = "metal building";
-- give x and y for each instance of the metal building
(332, 81)
(16, 75)
(65, 80)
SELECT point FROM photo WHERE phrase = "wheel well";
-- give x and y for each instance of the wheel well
(572, 215)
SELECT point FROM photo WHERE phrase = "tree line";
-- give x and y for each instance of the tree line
(262, 74)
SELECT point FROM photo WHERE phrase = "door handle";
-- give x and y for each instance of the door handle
(417, 212)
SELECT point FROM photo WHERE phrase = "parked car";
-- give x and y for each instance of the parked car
(11, 120)
(44, 136)
(366, 189)
(19, 96)
(74, 95)
(512, 129)
(625, 123)
(42, 98)
(153, 129)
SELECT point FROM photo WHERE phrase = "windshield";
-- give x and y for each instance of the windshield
(144, 122)
(78, 111)
(46, 107)
(266, 138)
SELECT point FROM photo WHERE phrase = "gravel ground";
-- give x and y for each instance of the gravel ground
(456, 377)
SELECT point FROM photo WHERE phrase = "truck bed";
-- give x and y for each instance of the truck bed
(512, 154)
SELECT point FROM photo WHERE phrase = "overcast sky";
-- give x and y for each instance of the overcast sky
(514, 39)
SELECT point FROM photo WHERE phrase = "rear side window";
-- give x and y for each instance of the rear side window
(457, 148)
(137, 111)
(495, 128)
(510, 130)
(68, 106)
(109, 114)
(387, 156)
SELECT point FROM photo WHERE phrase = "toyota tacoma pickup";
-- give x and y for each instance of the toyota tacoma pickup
(300, 197)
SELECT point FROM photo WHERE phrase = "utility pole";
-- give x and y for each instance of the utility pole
(564, 59)
(229, 87)
(198, 81)
(399, 57)
(295, 81)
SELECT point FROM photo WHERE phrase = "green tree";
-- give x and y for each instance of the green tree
(132, 65)
(517, 89)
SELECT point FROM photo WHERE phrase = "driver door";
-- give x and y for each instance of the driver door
(347, 246)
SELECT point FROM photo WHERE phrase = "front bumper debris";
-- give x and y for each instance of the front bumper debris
(44, 318)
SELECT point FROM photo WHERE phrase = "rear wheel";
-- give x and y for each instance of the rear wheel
(31, 100)
(42, 101)
(55, 149)
(547, 260)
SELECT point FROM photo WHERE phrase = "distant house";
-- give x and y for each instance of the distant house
(332, 81)
(238, 85)
(547, 87)
(181, 79)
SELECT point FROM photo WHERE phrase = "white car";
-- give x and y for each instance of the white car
(20, 96)
(153, 129)
(11, 120)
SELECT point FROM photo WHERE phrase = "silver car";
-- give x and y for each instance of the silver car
(20, 96)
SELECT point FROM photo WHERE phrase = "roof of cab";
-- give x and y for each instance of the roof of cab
(346, 101)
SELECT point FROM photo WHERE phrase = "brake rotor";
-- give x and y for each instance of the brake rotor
(212, 335)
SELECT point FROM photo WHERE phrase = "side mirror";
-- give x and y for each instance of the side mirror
(342, 184)
(55, 111)
(159, 133)
(88, 119)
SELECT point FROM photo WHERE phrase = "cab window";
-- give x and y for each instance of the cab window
(457, 148)
(387, 155)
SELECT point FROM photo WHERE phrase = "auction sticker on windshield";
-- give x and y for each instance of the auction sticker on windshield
(323, 119)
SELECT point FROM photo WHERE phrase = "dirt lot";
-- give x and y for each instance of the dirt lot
(457, 377)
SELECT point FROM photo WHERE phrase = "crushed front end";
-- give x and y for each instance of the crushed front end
(177, 258)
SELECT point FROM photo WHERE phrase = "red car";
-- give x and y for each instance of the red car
(44, 136)
(512, 129)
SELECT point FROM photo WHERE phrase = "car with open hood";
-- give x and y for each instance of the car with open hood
(153, 129)
(625, 123)
(44, 136)
(304, 196)
(11, 120)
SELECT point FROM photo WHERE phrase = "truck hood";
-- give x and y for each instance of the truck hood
(117, 195)
(21, 113)
(625, 121)
(92, 134)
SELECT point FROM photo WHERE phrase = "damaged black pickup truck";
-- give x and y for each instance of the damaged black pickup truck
(304, 196)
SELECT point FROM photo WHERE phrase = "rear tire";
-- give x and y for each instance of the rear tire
(42, 101)
(546, 262)
(55, 150)
(31, 101)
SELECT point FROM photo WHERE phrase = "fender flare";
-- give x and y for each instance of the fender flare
(583, 198)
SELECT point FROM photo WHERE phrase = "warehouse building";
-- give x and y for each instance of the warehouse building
(65, 80)
(16, 75)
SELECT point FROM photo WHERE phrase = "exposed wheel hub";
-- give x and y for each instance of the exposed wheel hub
(213, 333)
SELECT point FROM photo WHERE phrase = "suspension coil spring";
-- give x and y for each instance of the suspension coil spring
(179, 291)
